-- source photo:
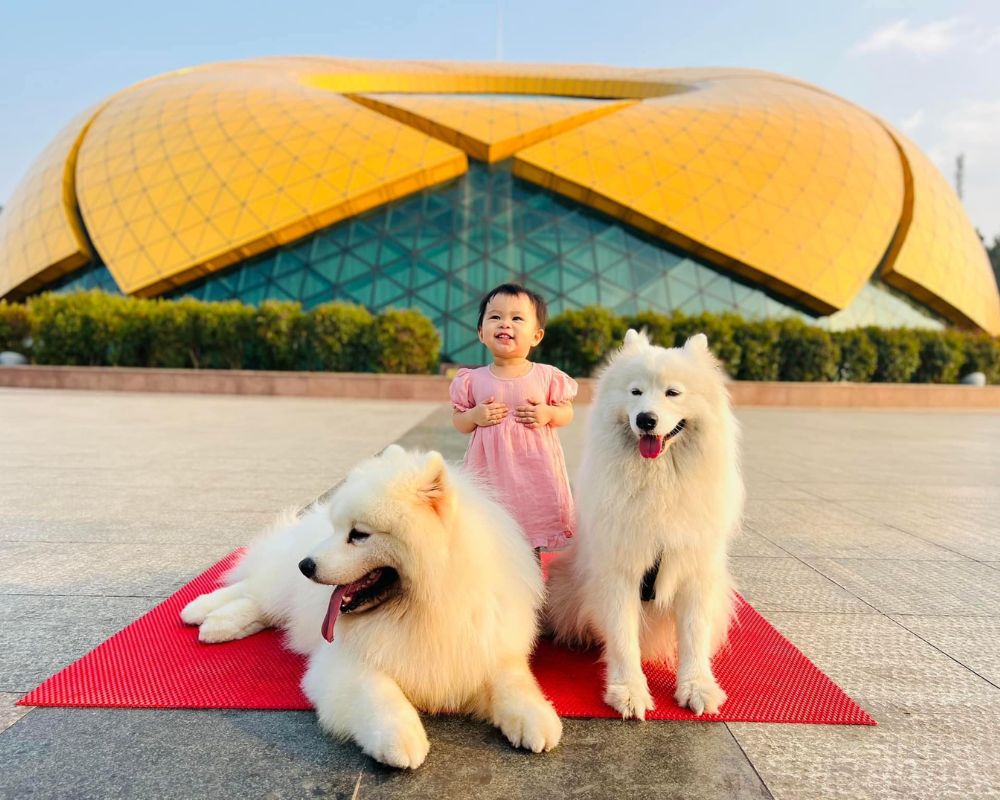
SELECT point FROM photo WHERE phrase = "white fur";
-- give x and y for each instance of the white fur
(458, 637)
(685, 505)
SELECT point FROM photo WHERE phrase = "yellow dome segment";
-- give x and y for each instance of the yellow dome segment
(787, 186)
(489, 127)
(185, 175)
(937, 257)
(41, 237)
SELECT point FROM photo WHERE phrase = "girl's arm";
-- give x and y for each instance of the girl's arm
(561, 415)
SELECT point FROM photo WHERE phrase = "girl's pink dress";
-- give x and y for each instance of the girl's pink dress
(525, 466)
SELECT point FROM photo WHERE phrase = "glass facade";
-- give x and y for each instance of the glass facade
(441, 249)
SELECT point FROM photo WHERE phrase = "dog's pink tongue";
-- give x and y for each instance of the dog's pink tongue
(650, 446)
(333, 611)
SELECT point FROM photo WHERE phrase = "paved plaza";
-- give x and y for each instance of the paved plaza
(872, 541)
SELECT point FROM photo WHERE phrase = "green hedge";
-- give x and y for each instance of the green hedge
(578, 341)
(98, 329)
(94, 328)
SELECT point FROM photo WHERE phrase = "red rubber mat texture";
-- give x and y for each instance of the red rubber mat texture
(158, 662)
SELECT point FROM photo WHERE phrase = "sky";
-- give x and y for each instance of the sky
(927, 67)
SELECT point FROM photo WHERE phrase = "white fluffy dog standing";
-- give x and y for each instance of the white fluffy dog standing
(659, 481)
(433, 594)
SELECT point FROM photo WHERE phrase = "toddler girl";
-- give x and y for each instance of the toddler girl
(512, 408)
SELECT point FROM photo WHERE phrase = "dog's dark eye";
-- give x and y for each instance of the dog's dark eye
(637, 392)
(356, 536)
(672, 393)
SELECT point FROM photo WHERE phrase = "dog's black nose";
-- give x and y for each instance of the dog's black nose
(307, 567)
(646, 421)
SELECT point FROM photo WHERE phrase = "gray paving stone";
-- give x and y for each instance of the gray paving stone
(972, 641)
(925, 757)
(750, 543)
(240, 754)
(9, 712)
(965, 527)
(39, 568)
(862, 540)
(937, 721)
(203, 527)
(41, 634)
(786, 584)
(961, 588)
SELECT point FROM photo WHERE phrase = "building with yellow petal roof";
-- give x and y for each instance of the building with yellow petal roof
(419, 184)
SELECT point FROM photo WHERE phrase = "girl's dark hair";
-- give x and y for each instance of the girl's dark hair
(514, 289)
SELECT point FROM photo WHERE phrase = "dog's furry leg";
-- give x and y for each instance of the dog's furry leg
(519, 709)
(195, 612)
(225, 614)
(700, 608)
(354, 701)
(617, 618)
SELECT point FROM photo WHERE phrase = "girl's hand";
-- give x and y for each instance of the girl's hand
(534, 415)
(488, 413)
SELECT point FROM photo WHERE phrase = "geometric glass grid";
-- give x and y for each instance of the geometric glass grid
(441, 249)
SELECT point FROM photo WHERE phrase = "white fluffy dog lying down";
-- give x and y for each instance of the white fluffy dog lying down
(659, 484)
(428, 591)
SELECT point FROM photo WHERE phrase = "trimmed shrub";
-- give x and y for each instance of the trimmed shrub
(404, 341)
(858, 356)
(659, 327)
(279, 336)
(88, 329)
(942, 354)
(806, 353)
(720, 330)
(191, 333)
(15, 328)
(898, 354)
(982, 354)
(758, 343)
(339, 337)
(578, 340)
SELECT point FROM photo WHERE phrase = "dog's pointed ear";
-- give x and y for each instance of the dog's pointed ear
(393, 451)
(435, 488)
(697, 345)
(635, 339)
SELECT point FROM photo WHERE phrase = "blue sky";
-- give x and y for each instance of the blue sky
(928, 67)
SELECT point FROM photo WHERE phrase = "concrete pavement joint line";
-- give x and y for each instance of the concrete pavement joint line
(895, 622)
(749, 761)
(943, 652)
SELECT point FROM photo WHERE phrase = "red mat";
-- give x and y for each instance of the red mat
(158, 662)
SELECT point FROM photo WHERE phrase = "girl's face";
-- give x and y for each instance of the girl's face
(510, 327)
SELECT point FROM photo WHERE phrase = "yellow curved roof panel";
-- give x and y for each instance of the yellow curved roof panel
(937, 256)
(790, 187)
(775, 180)
(489, 127)
(41, 237)
(183, 176)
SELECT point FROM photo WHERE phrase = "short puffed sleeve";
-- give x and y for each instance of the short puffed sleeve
(562, 388)
(460, 391)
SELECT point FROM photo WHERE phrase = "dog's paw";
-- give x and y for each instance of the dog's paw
(195, 612)
(701, 694)
(403, 746)
(533, 725)
(630, 699)
(224, 628)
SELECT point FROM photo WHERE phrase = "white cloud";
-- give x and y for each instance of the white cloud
(928, 39)
(971, 129)
(912, 122)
